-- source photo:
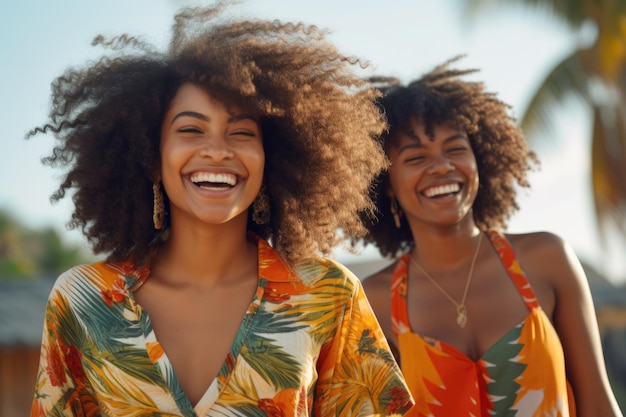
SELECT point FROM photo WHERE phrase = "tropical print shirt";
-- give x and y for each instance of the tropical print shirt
(309, 345)
(521, 375)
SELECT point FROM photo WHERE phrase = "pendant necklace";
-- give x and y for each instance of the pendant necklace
(461, 318)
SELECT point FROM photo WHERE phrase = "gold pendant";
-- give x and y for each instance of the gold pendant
(461, 319)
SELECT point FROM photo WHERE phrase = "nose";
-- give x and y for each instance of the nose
(216, 147)
(440, 165)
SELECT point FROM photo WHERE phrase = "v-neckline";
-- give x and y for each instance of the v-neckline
(167, 372)
(165, 366)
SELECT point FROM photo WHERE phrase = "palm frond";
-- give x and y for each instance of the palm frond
(321, 312)
(607, 166)
(574, 12)
(272, 362)
(568, 78)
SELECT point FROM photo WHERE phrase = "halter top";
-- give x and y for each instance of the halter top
(522, 374)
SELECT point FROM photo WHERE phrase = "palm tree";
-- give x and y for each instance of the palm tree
(595, 73)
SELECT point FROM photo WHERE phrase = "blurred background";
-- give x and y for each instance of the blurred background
(561, 65)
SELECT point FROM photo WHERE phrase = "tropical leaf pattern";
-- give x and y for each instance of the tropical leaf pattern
(521, 375)
(308, 345)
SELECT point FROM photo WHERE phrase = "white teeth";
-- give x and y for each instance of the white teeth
(229, 179)
(442, 189)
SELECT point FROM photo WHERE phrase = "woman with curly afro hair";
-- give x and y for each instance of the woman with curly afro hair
(216, 177)
(483, 322)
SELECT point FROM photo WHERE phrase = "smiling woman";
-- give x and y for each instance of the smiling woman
(483, 322)
(215, 178)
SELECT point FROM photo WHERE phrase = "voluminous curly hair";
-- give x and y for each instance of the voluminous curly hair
(319, 121)
(443, 97)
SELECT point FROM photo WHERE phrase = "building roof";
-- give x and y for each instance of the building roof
(22, 309)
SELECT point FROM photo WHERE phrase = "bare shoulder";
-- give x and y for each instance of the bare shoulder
(536, 241)
(547, 256)
(380, 280)
(377, 288)
(540, 245)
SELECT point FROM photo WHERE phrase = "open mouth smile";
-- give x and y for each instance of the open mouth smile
(441, 190)
(208, 180)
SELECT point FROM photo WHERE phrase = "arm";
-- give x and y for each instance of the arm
(61, 387)
(358, 374)
(575, 321)
(377, 288)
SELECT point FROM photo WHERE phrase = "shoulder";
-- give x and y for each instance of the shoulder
(97, 276)
(79, 275)
(317, 277)
(313, 272)
(537, 247)
(378, 291)
(380, 280)
(540, 240)
(547, 256)
(78, 285)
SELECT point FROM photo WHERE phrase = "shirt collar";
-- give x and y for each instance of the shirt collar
(271, 266)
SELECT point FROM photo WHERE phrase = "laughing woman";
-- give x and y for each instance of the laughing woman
(216, 177)
(484, 322)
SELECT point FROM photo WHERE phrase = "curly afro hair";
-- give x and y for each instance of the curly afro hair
(320, 124)
(503, 158)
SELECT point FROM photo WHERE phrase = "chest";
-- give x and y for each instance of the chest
(196, 329)
(494, 305)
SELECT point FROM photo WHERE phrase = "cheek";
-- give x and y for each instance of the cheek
(166, 150)
(170, 159)
(256, 160)
(402, 177)
(173, 159)
(473, 167)
(394, 183)
(473, 179)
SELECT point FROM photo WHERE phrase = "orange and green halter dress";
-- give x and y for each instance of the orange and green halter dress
(521, 375)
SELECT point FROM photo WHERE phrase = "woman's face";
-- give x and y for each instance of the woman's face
(212, 157)
(434, 181)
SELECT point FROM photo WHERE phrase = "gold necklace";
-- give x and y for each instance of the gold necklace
(461, 318)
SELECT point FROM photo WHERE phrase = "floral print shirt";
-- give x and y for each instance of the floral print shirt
(309, 345)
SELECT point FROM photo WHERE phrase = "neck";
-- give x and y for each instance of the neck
(206, 255)
(445, 249)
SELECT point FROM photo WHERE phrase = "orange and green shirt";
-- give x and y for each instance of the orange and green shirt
(522, 374)
(309, 344)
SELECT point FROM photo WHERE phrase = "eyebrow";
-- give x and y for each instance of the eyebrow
(418, 142)
(193, 114)
(200, 116)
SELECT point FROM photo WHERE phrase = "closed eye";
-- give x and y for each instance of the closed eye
(244, 133)
(458, 149)
(417, 158)
(189, 130)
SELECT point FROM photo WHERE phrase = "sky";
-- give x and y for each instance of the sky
(513, 48)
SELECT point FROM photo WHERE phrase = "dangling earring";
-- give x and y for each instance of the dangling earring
(261, 207)
(395, 212)
(158, 212)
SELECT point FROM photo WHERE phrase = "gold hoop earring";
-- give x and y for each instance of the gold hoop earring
(395, 212)
(261, 207)
(158, 211)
